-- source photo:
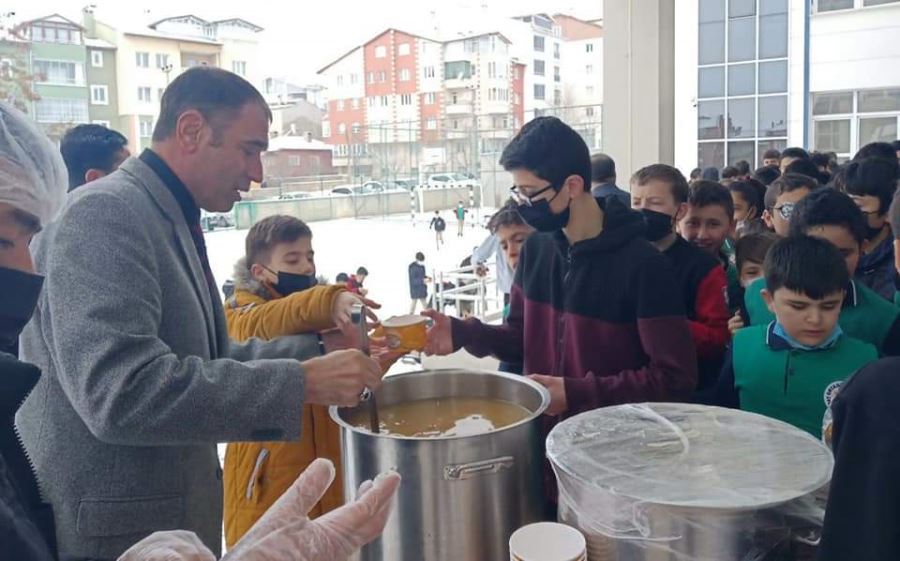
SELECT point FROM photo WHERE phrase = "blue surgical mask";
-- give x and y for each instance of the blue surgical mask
(827, 343)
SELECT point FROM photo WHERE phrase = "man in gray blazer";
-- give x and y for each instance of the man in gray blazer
(140, 380)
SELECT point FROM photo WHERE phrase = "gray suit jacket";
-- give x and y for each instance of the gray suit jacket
(139, 378)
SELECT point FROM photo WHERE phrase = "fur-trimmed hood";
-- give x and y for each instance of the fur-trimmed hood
(245, 282)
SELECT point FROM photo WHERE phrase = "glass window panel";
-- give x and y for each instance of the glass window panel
(712, 43)
(879, 100)
(764, 145)
(742, 79)
(741, 8)
(741, 118)
(773, 36)
(711, 154)
(829, 5)
(772, 7)
(773, 76)
(712, 82)
(832, 136)
(773, 116)
(712, 10)
(710, 119)
(877, 129)
(738, 151)
(832, 103)
(742, 39)
(878, 2)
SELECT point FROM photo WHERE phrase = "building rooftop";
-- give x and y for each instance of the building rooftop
(98, 44)
(294, 142)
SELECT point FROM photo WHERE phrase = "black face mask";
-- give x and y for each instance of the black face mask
(659, 225)
(17, 302)
(872, 233)
(540, 216)
(289, 283)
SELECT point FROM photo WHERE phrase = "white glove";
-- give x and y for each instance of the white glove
(285, 532)
(177, 545)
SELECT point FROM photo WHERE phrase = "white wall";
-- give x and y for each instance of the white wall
(246, 51)
(796, 48)
(686, 75)
(350, 64)
(430, 55)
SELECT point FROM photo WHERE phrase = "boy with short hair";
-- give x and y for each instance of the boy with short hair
(781, 198)
(832, 215)
(661, 193)
(748, 197)
(750, 254)
(439, 225)
(276, 294)
(790, 368)
(418, 283)
(730, 173)
(767, 174)
(355, 282)
(708, 222)
(771, 157)
(790, 155)
(871, 183)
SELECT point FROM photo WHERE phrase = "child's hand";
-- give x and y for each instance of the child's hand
(342, 310)
(736, 323)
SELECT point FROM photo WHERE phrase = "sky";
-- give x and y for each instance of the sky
(302, 36)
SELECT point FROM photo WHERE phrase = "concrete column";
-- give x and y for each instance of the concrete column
(638, 83)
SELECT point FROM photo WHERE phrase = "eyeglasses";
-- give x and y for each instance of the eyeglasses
(528, 200)
(786, 210)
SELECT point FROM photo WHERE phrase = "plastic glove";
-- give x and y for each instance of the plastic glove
(177, 545)
(285, 532)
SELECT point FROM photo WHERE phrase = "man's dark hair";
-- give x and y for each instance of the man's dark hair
(217, 94)
(603, 169)
(821, 159)
(420, 256)
(873, 177)
(752, 191)
(668, 174)
(808, 168)
(508, 215)
(342, 277)
(709, 193)
(795, 152)
(730, 172)
(269, 232)
(362, 271)
(743, 166)
(827, 207)
(767, 174)
(696, 173)
(710, 174)
(808, 265)
(876, 150)
(551, 150)
(753, 247)
(87, 147)
(772, 154)
(787, 183)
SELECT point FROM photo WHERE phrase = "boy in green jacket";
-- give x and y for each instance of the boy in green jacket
(790, 369)
(832, 215)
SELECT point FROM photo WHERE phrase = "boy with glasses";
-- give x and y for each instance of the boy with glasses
(781, 197)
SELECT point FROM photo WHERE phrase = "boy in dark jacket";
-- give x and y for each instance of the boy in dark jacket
(594, 313)
(790, 368)
(439, 226)
(418, 279)
(661, 193)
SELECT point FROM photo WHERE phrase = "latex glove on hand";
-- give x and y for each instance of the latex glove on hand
(285, 532)
(177, 545)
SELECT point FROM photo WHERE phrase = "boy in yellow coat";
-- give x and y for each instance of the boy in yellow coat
(276, 294)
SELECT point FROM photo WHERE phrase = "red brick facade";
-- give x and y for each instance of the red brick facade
(284, 164)
(518, 91)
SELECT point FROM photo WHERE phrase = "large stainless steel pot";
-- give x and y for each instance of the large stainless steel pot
(461, 497)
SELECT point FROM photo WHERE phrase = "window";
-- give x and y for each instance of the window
(353, 78)
(589, 69)
(239, 67)
(557, 97)
(340, 80)
(877, 129)
(878, 2)
(741, 118)
(145, 126)
(742, 79)
(404, 75)
(99, 95)
(460, 70)
(431, 124)
(58, 72)
(538, 43)
(589, 90)
(403, 49)
(60, 110)
(773, 77)
(538, 67)
(850, 120)
(384, 101)
(589, 111)
(101, 123)
(832, 103)
(831, 5)
(340, 105)
(712, 82)
(355, 103)
(879, 100)
(742, 39)
(159, 93)
(382, 77)
(144, 94)
(454, 98)
(7, 68)
(429, 72)
(371, 77)
(832, 136)
(406, 99)
(556, 51)
(342, 128)
(492, 70)
(380, 51)
(774, 29)
(142, 60)
(355, 128)
(539, 91)
(589, 48)
(162, 60)
(326, 129)
(556, 77)
(97, 59)
(773, 116)
(294, 161)
(455, 124)
(710, 120)
(429, 98)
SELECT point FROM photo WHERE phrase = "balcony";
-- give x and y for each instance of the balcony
(460, 109)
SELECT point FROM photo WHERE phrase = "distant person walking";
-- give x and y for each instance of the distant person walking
(439, 226)
(460, 218)
(418, 283)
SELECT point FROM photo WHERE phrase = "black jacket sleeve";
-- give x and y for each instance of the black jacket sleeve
(723, 394)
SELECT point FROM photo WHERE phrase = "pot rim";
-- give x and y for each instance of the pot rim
(334, 410)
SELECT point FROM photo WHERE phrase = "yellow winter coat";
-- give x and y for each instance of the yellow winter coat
(257, 473)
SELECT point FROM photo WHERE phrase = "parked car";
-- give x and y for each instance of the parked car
(452, 180)
(210, 221)
(405, 184)
(294, 196)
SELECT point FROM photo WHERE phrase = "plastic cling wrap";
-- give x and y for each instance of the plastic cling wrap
(686, 482)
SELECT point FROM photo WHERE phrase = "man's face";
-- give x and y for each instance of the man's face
(511, 240)
(529, 185)
(780, 217)
(871, 207)
(843, 240)
(743, 211)
(706, 227)
(770, 162)
(17, 228)
(295, 257)
(228, 162)
(807, 320)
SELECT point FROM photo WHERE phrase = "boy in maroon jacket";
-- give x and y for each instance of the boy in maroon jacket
(595, 315)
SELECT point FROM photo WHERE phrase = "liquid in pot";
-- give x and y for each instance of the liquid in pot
(432, 418)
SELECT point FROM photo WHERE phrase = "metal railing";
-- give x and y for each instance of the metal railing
(472, 294)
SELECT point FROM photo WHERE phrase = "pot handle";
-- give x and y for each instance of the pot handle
(455, 472)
